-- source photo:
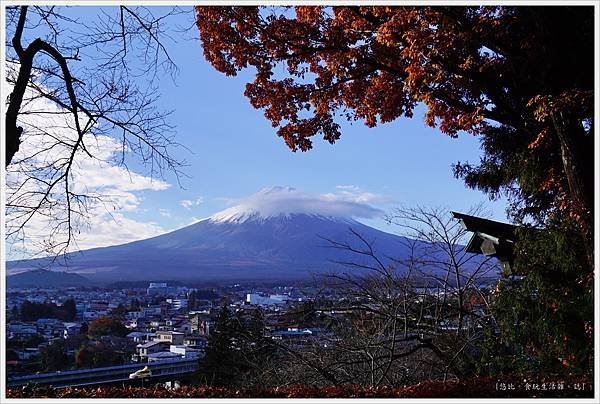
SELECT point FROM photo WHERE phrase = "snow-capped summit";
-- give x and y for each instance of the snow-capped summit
(284, 202)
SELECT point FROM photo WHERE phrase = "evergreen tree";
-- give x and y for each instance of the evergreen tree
(192, 300)
(14, 313)
(257, 348)
(236, 349)
(545, 308)
(70, 308)
(55, 357)
(31, 311)
(222, 360)
(134, 305)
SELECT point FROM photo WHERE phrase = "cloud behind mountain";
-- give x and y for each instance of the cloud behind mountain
(279, 200)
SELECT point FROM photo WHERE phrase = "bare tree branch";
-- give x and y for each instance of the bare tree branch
(88, 71)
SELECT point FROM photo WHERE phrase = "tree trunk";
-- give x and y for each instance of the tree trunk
(581, 186)
(13, 140)
(13, 132)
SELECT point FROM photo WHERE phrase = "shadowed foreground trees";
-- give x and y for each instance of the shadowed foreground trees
(546, 307)
(31, 311)
(237, 350)
(403, 321)
(519, 78)
(441, 313)
(379, 321)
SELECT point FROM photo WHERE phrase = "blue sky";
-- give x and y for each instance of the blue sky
(233, 152)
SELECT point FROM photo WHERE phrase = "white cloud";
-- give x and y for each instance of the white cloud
(164, 212)
(277, 201)
(188, 203)
(114, 190)
(118, 229)
(357, 194)
(226, 200)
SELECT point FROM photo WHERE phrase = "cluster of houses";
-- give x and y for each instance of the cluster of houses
(148, 322)
(161, 335)
(45, 330)
(162, 345)
(164, 327)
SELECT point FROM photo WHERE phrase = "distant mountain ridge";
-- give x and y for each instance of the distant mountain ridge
(41, 277)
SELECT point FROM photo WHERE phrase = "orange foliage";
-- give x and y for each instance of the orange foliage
(367, 63)
(477, 69)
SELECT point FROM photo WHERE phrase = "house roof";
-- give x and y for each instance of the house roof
(195, 338)
(164, 355)
(162, 332)
(150, 344)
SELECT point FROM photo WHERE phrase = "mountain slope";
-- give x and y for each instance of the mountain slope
(286, 246)
(275, 234)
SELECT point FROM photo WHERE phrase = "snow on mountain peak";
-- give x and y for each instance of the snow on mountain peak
(281, 201)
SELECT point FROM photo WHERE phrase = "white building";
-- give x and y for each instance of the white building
(151, 310)
(141, 337)
(151, 347)
(279, 298)
(171, 337)
(260, 300)
(177, 304)
(161, 356)
(92, 315)
(186, 351)
(157, 288)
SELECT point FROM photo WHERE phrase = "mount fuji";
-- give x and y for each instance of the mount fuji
(276, 234)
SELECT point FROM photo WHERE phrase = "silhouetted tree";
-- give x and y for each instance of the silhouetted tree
(220, 365)
(31, 311)
(134, 305)
(70, 308)
(34, 341)
(55, 357)
(96, 79)
(119, 312)
(192, 301)
(97, 355)
(14, 313)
